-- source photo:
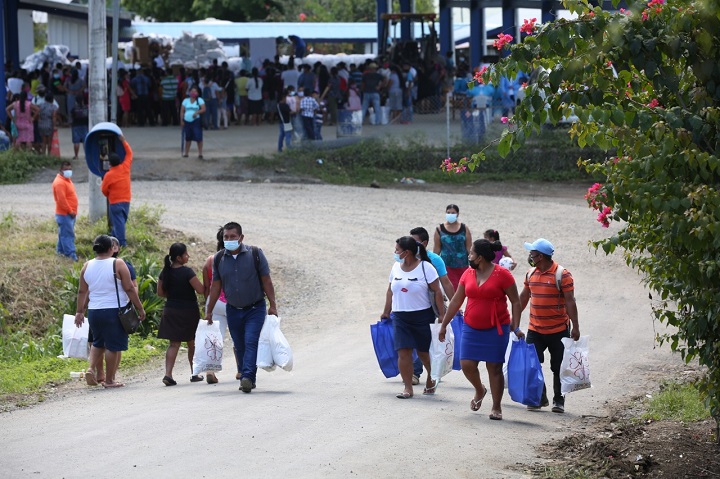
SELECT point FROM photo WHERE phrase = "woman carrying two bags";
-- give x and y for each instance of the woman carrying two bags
(413, 281)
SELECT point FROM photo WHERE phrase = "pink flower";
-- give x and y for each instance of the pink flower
(460, 169)
(502, 40)
(609, 63)
(479, 74)
(528, 26)
(590, 14)
(644, 15)
(603, 217)
(504, 119)
(654, 103)
(302, 17)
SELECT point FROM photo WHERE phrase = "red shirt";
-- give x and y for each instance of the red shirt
(487, 304)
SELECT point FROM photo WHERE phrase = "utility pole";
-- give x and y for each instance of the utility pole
(97, 86)
(114, 48)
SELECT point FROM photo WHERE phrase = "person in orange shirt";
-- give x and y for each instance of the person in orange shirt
(66, 207)
(116, 186)
(552, 310)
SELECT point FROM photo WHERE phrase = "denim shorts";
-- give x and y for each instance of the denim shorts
(107, 330)
(78, 134)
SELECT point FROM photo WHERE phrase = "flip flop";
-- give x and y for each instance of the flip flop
(476, 403)
(211, 378)
(113, 385)
(404, 396)
(496, 416)
(196, 378)
(168, 381)
(90, 378)
(430, 391)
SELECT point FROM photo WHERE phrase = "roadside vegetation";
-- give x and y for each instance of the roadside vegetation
(37, 287)
(18, 166)
(550, 155)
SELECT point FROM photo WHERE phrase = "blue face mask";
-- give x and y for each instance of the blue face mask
(231, 245)
(398, 258)
(451, 217)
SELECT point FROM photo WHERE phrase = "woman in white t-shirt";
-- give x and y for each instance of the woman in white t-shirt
(411, 279)
(255, 98)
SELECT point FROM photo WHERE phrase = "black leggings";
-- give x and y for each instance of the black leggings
(553, 343)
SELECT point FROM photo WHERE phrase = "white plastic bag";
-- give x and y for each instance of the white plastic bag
(74, 339)
(513, 338)
(281, 352)
(208, 348)
(575, 368)
(264, 354)
(441, 353)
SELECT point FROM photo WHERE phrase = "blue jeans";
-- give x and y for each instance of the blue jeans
(66, 236)
(210, 119)
(373, 98)
(118, 217)
(286, 136)
(309, 127)
(318, 131)
(245, 327)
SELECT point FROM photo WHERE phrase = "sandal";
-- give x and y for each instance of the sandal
(404, 395)
(168, 381)
(196, 378)
(211, 378)
(496, 415)
(476, 403)
(113, 385)
(90, 378)
(430, 391)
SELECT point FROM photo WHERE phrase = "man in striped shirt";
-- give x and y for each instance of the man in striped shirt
(552, 309)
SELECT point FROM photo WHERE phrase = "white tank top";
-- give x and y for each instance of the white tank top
(101, 284)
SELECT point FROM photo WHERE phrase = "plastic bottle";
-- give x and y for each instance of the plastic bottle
(77, 374)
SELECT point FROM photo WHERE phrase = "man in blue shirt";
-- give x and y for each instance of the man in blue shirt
(421, 236)
(242, 272)
(141, 86)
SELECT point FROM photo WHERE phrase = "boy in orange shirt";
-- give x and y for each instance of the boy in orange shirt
(552, 310)
(116, 186)
(66, 207)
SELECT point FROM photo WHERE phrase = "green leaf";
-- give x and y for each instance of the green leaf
(505, 143)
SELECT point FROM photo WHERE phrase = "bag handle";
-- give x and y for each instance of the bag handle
(117, 292)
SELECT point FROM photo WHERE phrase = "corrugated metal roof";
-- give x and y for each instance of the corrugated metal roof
(365, 32)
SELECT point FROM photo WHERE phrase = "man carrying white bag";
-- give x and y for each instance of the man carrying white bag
(273, 347)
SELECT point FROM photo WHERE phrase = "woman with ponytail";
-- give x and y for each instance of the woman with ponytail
(488, 322)
(412, 281)
(178, 283)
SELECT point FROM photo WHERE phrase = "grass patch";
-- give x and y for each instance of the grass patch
(32, 376)
(677, 402)
(549, 156)
(17, 166)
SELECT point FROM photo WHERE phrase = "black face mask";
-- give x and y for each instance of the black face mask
(530, 261)
(473, 264)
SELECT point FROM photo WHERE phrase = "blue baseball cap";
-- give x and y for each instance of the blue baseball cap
(542, 245)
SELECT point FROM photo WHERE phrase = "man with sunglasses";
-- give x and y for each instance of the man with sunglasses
(550, 290)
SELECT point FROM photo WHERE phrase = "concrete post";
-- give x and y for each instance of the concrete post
(97, 86)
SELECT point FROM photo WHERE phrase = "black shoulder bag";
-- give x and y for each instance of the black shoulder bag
(127, 314)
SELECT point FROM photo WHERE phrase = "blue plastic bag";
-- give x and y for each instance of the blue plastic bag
(457, 324)
(384, 344)
(525, 376)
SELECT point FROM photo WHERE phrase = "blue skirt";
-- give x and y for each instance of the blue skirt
(193, 130)
(411, 329)
(484, 344)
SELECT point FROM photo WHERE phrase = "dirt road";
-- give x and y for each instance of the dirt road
(330, 250)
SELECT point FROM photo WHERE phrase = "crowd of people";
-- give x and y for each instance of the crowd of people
(469, 272)
(239, 293)
(53, 96)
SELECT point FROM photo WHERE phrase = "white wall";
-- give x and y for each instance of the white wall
(70, 32)
(26, 39)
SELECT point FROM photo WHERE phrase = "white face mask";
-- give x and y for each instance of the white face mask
(451, 217)
(67, 173)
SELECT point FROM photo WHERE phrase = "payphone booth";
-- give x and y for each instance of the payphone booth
(99, 143)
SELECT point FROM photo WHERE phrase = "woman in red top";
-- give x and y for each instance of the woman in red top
(488, 323)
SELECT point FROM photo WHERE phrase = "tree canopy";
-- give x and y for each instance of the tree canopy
(262, 10)
(645, 85)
